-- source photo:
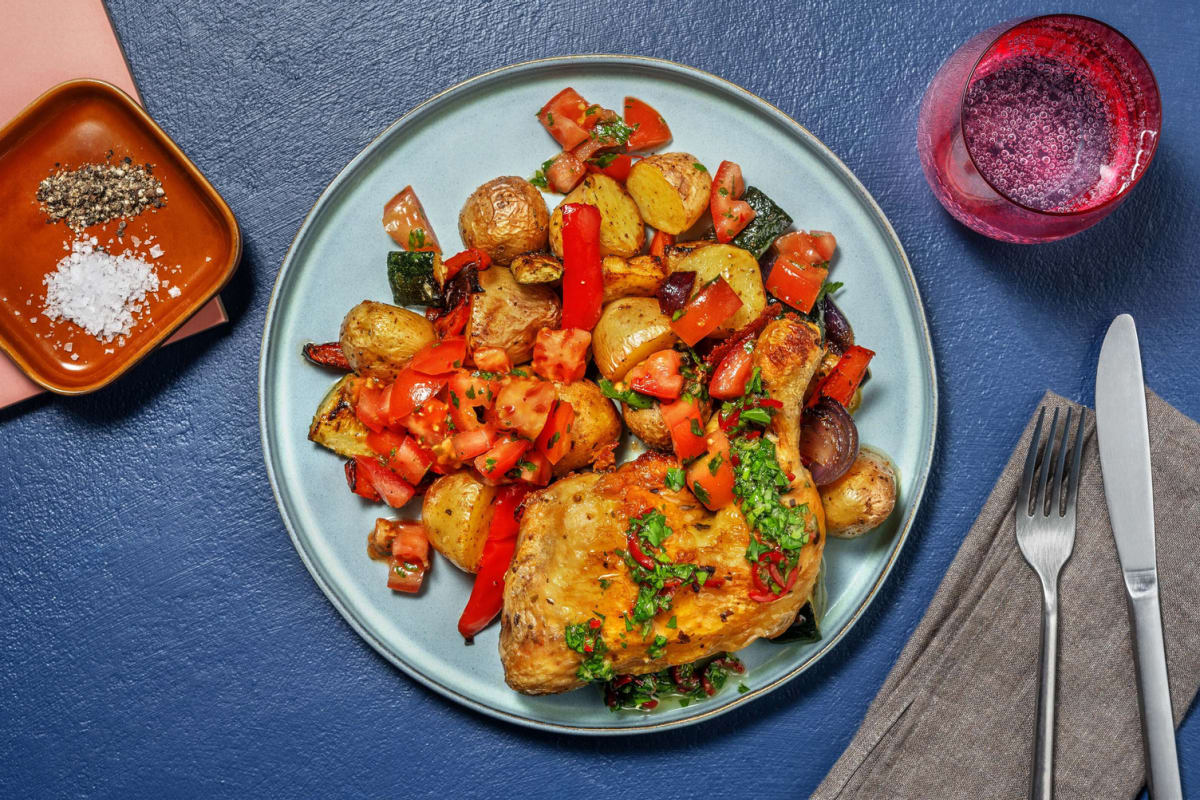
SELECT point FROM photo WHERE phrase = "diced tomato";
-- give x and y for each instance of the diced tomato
(410, 556)
(358, 483)
(583, 273)
(372, 405)
(845, 377)
(650, 129)
(729, 212)
(815, 247)
(566, 171)
(555, 439)
(660, 243)
(686, 426)
(452, 265)
(405, 221)
(401, 454)
(730, 377)
(523, 405)
(471, 391)
(798, 285)
(617, 169)
(502, 457)
(409, 391)
(440, 358)
(487, 595)
(534, 468)
(658, 376)
(561, 355)
(467, 444)
(705, 312)
(464, 418)
(391, 487)
(563, 117)
(711, 478)
(430, 423)
(492, 359)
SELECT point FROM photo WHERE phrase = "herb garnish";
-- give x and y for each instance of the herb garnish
(758, 482)
(586, 639)
(674, 479)
(416, 238)
(687, 682)
(615, 132)
(656, 575)
(539, 178)
(627, 396)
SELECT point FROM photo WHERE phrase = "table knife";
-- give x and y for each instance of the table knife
(1125, 463)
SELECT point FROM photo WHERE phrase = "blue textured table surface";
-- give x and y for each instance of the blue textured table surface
(158, 634)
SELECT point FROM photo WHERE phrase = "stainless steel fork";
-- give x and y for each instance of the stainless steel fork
(1046, 536)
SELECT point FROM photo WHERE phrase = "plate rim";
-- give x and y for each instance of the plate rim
(919, 485)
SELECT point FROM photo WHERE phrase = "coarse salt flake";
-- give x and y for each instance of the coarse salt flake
(156, 251)
(98, 291)
(174, 291)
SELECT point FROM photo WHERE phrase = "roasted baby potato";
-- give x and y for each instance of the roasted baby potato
(335, 426)
(671, 190)
(622, 232)
(380, 339)
(504, 218)
(457, 512)
(629, 330)
(861, 499)
(679, 251)
(596, 425)
(740, 269)
(508, 314)
(536, 268)
(639, 276)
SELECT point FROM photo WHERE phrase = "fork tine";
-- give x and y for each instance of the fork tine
(1030, 464)
(1076, 457)
(1047, 455)
(1060, 474)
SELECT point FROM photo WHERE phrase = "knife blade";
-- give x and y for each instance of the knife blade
(1124, 439)
(1125, 445)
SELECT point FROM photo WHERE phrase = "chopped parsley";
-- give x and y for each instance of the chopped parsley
(699, 166)
(586, 639)
(604, 159)
(615, 132)
(539, 178)
(656, 575)
(687, 682)
(758, 483)
(657, 647)
(671, 623)
(675, 478)
(627, 396)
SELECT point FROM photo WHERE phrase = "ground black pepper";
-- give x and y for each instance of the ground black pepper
(96, 193)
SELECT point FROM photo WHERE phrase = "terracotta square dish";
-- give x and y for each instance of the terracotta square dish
(192, 241)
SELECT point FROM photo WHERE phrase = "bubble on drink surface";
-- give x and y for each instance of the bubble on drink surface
(1040, 132)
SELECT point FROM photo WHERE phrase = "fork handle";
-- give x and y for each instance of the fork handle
(1043, 753)
(1154, 698)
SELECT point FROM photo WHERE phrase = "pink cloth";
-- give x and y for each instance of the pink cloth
(46, 42)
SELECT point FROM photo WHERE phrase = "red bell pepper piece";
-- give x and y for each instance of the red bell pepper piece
(326, 355)
(729, 212)
(660, 243)
(487, 595)
(454, 321)
(583, 279)
(658, 376)
(798, 285)
(845, 377)
(561, 355)
(650, 129)
(405, 221)
(452, 265)
(705, 312)
(555, 439)
(617, 169)
(440, 358)
(686, 427)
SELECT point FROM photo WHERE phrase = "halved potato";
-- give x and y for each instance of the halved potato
(457, 512)
(740, 269)
(335, 426)
(622, 232)
(380, 339)
(629, 330)
(671, 190)
(863, 498)
(639, 276)
(596, 424)
(508, 315)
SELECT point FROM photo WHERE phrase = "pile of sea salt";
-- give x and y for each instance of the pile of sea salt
(100, 292)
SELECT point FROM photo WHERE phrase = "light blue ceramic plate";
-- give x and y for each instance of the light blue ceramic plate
(446, 147)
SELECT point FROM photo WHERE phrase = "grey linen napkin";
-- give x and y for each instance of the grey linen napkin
(955, 717)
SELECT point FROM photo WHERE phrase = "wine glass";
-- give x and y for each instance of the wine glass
(1037, 128)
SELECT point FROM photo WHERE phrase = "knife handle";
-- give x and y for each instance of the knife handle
(1154, 698)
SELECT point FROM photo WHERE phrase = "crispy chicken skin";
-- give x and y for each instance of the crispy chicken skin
(570, 530)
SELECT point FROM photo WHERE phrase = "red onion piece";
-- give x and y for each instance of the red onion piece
(675, 291)
(837, 328)
(828, 441)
